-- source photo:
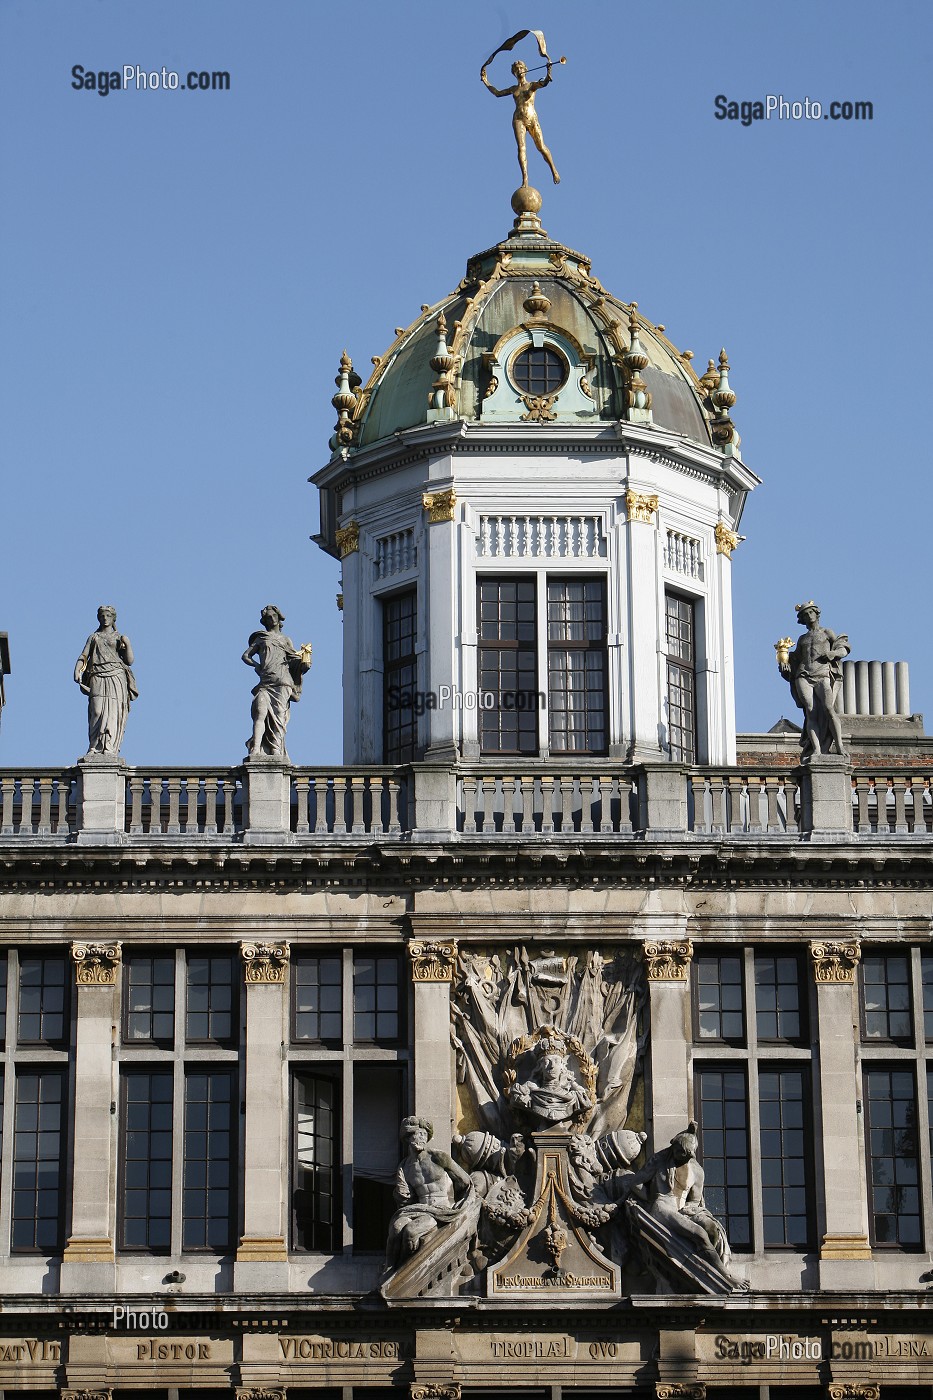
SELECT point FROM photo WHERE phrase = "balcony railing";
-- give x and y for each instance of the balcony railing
(558, 799)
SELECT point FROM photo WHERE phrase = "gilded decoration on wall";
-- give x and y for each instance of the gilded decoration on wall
(726, 540)
(859, 1390)
(348, 539)
(85, 1395)
(432, 962)
(264, 962)
(680, 1390)
(435, 1392)
(540, 408)
(668, 959)
(260, 1393)
(640, 507)
(439, 505)
(96, 964)
(835, 962)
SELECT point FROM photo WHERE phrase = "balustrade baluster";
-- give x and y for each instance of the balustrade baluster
(899, 789)
(321, 793)
(589, 792)
(340, 805)
(719, 821)
(375, 809)
(567, 786)
(468, 802)
(508, 803)
(489, 806)
(547, 805)
(45, 806)
(395, 821)
(301, 784)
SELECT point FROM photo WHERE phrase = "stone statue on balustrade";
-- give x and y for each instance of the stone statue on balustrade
(814, 670)
(104, 675)
(433, 1230)
(281, 669)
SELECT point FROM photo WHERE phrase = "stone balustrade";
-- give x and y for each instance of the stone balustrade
(560, 798)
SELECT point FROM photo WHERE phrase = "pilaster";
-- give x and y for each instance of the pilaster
(845, 1252)
(88, 1258)
(441, 514)
(641, 540)
(667, 955)
(262, 1256)
(433, 963)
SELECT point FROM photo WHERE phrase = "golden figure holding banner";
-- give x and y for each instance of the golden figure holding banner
(525, 119)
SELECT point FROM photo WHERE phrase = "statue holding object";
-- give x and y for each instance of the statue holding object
(814, 670)
(281, 669)
(103, 673)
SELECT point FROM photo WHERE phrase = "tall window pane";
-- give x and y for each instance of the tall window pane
(400, 677)
(508, 666)
(719, 997)
(784, 1157)
(376, 998)
(149, 1009)
(779, 997)
(377, 1111)
(146, 1198)
(211, 1000)
(210, 1160)
(44, 992)
(681, 678)
(886, 996)
(317, 999)
(315, 1169)
(926, 965)
(722, 1102)
(577, 665)
(38, 1161)
(893, 1186)
(3, 984)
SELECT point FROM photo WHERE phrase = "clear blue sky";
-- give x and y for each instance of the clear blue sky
(180, 271)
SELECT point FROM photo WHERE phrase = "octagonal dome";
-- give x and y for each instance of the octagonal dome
(464, 357)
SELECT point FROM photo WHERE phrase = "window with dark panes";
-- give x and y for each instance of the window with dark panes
(149, 998)
(317, 998)
(377, 1112)
(886, 996)
(893, 1168)
(146, 1186)
(785, 1159)
(719, 997)
(38, 1161)
(211, 999)
(681, 678)
(209, 1159)
(316, 1217)
(722, 1116)
(538, 371)
(376, 1001)
(44, 997)
(508, 665)
(780, 997)
(578, 698)
(3, 988)
(400, 677)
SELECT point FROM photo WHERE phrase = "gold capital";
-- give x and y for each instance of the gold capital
(440, 505)
(860, 1390)
(640, 507)
(835, 962)
(726, 540)
(348, 538)
(96, 964)
(668, 959)
(432, 962)
(436, 1392)
(264, 962)
(680, 1390)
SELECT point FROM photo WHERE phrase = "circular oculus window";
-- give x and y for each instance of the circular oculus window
(539, 371)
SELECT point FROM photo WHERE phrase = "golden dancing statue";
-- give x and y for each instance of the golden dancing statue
(525, 119)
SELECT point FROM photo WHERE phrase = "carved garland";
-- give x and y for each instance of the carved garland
(668, 960)
(432, 962)
(96, 964)
(264, 962)
(835, 962)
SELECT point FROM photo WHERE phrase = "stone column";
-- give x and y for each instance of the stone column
(442, 622)
(268, 800)
(262, 1256)
(432, 970)
(644, 640)
(101, 800)
(845, 1252)
(667, 963)
(88, 1261)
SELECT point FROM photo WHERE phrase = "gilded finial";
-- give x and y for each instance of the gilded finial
(537, 304)
(442, 362)
(710, 379)
(722, 398)
(634, 360)
(345, 401)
